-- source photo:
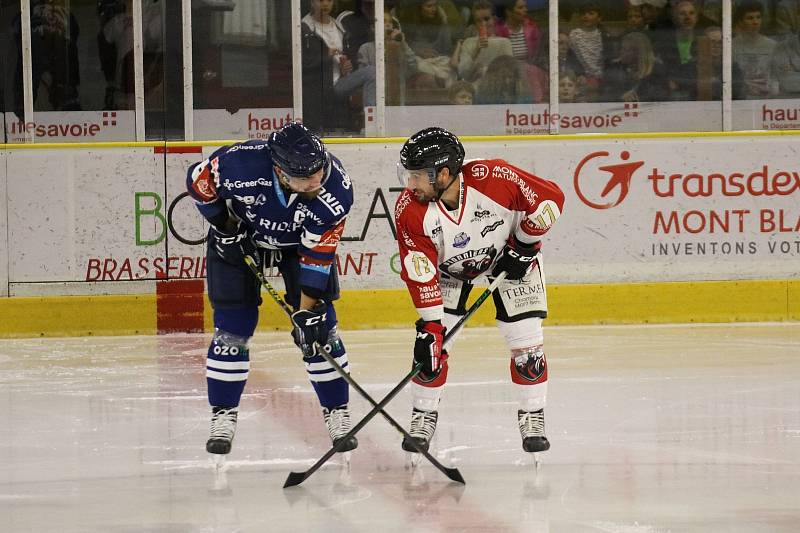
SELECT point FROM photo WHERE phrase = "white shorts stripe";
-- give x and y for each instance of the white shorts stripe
(228, 365)
(330, 376)
(221, 376)
(324, 365)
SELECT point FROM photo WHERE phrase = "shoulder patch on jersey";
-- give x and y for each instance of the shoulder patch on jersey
(418, 267)
(545, 215)
(479, 171)
(203, 179)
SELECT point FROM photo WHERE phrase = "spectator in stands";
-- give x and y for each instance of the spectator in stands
(654, 15)
(427, 30)
(568, 88)
(54, 50)
(566, 57)
(461, 93)
(477, 52)
(328, 75)
(787, 18)
(637, 75)
(752, 51)
(634, 21)
(503, 83)
(519, 28)
(786, 66)
(358, 24)
(115, 47)
(429, 36)
(677, 49)
(587, 43)
(714, 36)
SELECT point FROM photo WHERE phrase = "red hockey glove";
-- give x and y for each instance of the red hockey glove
(516, 259)
(428, 346)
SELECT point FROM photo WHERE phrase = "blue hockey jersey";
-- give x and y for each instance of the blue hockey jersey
(240, 178)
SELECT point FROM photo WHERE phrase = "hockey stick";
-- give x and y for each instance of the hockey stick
(295, 478)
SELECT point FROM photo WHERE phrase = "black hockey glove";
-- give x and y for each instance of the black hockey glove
(516, 259)
(311, 327)
(234, 247)
(428, 348)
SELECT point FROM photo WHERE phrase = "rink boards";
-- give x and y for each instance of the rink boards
(692, 228)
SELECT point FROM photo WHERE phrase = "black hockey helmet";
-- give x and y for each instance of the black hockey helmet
(433, 148)
(297, 151)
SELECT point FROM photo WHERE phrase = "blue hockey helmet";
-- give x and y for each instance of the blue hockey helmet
(297, 151)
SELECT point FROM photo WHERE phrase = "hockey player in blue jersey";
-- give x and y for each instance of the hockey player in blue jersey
(281, 202)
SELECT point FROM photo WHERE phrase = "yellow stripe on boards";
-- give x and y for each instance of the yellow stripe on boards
(623, 303)
(400, 140)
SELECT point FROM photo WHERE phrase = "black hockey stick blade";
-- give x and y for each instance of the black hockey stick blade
(295, 478)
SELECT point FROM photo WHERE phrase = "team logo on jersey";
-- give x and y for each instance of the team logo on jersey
(470, 264)
(481, 214)
(418, 267)
(461, 240)
(491, 227)
(479, 171)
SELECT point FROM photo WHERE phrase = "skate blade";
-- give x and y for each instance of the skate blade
(345, 457)
(218, 461)
(413, 460)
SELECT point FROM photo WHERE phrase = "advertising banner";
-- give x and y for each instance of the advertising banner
(211, 124)
(637, 210)
(72, 126)
(537, 119)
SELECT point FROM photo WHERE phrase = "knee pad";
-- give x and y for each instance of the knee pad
(528, 365)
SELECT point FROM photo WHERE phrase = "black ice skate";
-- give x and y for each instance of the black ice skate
(338, 422)
(223, 427)
(423, 426)
(531, 427)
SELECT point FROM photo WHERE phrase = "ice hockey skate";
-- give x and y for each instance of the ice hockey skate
(223, 428)
(531, 428)
(338, 422)
(423, 426)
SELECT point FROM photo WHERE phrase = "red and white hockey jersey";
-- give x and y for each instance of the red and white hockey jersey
(496, 199)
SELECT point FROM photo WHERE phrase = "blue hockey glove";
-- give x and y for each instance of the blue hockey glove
(428, 348)
(311, 327)
(233, 247)
(516, 259)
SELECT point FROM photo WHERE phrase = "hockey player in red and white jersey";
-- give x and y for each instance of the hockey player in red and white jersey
(457, 222)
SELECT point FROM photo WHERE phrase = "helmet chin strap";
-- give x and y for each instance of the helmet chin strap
(441, 190)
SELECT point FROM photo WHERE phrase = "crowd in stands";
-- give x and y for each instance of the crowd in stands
(609, 50)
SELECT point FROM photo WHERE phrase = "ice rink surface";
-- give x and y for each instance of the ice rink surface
(653, 429)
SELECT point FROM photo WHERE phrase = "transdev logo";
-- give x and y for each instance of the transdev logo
(595, 179)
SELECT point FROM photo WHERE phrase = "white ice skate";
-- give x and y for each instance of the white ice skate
(223, 428)
(531, 428)
(423, 426)
(338, 422)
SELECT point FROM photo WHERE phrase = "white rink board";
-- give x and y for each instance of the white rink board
(70, 207)
(3, 227)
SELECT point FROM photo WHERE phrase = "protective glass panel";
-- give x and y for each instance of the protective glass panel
(78, 71)
(644, 65)
(766, 65)
(9, 17)
(475, 67)
(338, 50)
(162, 51)
(242, 67)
